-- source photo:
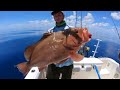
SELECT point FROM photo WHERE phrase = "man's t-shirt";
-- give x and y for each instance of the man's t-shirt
(56, 29)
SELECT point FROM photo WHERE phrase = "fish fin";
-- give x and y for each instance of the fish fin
(42, 68)
(23, 68)
(28, 52)
(76, 57)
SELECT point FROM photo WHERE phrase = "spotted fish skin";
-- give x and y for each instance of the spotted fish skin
(55, 48)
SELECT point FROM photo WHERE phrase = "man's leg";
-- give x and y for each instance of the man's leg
(67, 72)
(52, 72)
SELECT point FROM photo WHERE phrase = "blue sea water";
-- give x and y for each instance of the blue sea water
(12, 52)
(105, 49)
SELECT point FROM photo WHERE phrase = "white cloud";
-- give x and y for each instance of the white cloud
(30, 25)
(115, 15)
(105, 34)
(88, 18)
(46, 24)
(104, 17)
(70, 20)
(101, 24)
(74, 13)
(98, 30)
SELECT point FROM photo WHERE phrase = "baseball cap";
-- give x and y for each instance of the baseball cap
(54, 12)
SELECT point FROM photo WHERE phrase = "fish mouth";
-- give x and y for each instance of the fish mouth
(90, 36)
(75, 43)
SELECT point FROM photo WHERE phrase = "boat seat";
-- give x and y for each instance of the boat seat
(76, 68)
(104, 71)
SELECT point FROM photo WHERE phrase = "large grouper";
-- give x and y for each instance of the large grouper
(55, 48)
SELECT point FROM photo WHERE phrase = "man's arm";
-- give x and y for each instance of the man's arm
(48, 33)
(50, 30)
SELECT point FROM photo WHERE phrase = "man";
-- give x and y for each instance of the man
(63, 68)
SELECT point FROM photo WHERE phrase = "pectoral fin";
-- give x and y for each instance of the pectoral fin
(76, 57)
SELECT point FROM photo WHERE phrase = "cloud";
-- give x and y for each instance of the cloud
(41, 24)
(46, 24)
(105, 34)
(98, 29)
(115, 15)
(30, 25)
(70, 20)
(104, 17)
(101, 24)
(88, 18)
(74, 13)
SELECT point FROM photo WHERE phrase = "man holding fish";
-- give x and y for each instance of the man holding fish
(60, 44)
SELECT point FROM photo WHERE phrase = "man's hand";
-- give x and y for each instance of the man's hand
(47, 34)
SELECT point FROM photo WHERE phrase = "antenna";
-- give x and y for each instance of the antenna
(96, 47)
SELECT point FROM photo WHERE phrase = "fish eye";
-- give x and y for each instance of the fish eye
(76, 31)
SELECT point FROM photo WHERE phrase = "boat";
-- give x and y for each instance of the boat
(88, 68)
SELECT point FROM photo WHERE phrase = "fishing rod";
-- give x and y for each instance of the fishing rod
(76, 19)
(81, 19)
(118, 36)
(116, 28)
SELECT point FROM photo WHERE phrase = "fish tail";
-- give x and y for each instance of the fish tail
(23, 68)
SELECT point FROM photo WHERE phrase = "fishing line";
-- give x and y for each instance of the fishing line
(116, 28)
(76, 20)
(81, 19)
(117, 34)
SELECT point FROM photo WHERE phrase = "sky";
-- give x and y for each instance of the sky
(99, 23)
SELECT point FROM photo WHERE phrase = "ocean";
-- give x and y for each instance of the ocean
(13, 45)
(12, 53)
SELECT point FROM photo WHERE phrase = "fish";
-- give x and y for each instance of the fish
(55, 48)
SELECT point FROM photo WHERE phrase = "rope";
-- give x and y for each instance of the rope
(76, 20)
(117, 34)
(116, 28)
(81, 19)
(96, 69)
